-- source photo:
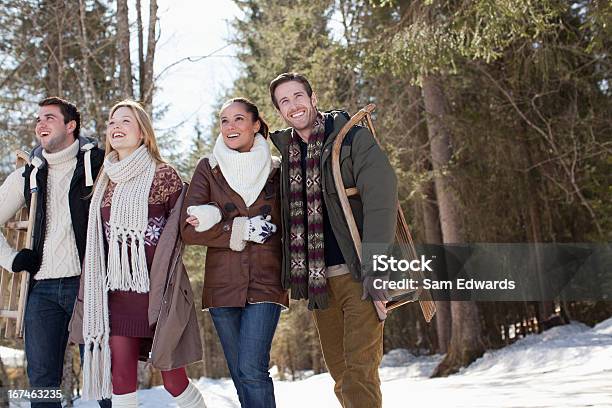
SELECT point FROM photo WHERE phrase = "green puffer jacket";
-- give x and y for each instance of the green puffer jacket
(363, 165)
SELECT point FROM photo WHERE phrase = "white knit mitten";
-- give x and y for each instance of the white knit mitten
(190, 398)
(208, 215)
(125, 400)
(258, 229)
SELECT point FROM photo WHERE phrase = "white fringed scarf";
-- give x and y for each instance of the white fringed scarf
(246, 173)
(128, 223)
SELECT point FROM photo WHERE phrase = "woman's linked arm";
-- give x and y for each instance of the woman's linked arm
(198, 194)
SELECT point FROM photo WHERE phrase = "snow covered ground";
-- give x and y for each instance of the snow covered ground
(12, 357)
(567, 366)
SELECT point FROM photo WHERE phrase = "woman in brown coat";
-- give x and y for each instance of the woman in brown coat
(233, 207)
(132, 201)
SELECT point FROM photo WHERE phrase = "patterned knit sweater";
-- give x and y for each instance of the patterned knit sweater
(128, 310)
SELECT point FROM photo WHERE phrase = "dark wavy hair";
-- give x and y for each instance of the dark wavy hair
(68, 109)
(254, 110)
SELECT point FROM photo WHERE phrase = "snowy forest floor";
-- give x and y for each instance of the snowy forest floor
(567, 366)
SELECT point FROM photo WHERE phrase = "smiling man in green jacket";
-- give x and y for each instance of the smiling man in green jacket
(320, 263)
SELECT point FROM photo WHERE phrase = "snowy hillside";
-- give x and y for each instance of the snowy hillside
(567, 366)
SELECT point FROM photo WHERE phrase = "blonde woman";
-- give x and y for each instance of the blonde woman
(119, 310)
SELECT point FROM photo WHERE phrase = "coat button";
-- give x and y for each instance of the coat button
(226, 228)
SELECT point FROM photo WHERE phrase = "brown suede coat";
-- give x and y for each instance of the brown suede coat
(235, 278)
(172, 313)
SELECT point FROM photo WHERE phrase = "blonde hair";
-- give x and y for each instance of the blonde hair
(145, 125)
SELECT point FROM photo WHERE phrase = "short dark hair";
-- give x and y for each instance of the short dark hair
(254, 110)
(68, 109)
(286, 77)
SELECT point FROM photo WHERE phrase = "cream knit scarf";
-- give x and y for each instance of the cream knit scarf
(246, 173)
(128, 222)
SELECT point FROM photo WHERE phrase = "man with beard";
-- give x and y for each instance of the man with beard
(62, 170)
(320, 262)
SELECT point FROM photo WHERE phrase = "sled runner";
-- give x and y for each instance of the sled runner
(14, 286)
(402, 235)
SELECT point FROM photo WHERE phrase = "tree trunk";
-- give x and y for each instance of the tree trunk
(123, 49)
(69, 380)
(145, 375)
(90, 93)
(60, 62)
(433, 235)
(141, 60)
(534, 235)
(429, 209)
(53, 43)
(4, 383)
(147, 81)
(466, 343)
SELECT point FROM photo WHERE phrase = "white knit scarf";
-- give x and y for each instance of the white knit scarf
(128, 222)
(246, 173)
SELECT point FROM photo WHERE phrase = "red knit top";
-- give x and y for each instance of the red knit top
(128, 311)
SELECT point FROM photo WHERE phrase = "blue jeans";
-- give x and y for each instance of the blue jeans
(246, 335)
(48, 312)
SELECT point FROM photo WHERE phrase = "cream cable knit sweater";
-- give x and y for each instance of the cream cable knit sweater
(60, 255)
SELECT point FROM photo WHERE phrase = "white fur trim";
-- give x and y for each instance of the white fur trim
(208, 215)
(211, 160)
(37, 163)
(276, 162)
(237, 242)
(88, 170)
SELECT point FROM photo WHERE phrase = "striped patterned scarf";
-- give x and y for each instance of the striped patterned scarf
(308, 280)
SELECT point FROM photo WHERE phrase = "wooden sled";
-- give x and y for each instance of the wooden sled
(14, 286)
(402, 235)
